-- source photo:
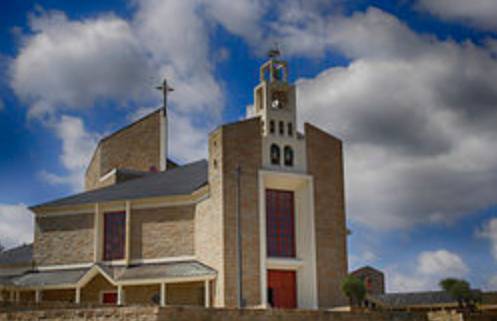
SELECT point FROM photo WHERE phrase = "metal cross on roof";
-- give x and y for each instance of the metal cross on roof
(165, 90)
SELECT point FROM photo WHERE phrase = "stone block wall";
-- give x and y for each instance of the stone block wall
(209, 237)
(64, 239)
(136, 146)
(374, 280)
(202, 314)
(241, 146)
(325, 164)
(92, 291)
(188, 294)
(141, 294)
(59, 295)
(162, 232)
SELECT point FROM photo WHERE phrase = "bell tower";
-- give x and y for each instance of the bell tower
(275, 103)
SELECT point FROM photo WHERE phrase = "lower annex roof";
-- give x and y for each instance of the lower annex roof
(140, 272)
(182, 180)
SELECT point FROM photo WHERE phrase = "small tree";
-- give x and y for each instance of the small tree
(354, 289)
(460, 290)
(1, 248)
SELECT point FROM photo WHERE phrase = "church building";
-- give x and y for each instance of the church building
(260, 223)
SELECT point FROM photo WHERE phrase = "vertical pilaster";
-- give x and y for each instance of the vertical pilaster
(120, 295)
(38, 296)
(127, 241)
(163, 294)
(97, 250)
(207, 293)
(77, 299)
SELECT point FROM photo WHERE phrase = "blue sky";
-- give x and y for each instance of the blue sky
(409, 86)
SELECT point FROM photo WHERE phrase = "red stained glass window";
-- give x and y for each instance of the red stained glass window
(114, 235)
(280, 227)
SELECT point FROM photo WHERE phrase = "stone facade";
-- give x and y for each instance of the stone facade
(162, 232)
(190, 294)
(209, 236)
(241, 146)
(374, 280)
(141, 294)
(92, 291)
(63, 239)
(325, 164)
(134, 147)
(59, 295)
(200, 314)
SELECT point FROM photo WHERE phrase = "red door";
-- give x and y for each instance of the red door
(109, 298)
(282, 289)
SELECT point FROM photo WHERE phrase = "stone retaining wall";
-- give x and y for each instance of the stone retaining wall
(199, 314)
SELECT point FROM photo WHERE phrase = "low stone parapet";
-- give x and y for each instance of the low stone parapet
(150, 313)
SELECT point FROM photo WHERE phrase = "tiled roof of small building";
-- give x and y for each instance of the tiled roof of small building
(399, 300)
(182, 180)
(165, 270)
(16, 256)
(49, 278)
(71, 277)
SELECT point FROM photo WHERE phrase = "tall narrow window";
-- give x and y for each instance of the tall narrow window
(280, 222)
(275, 154)
(114, 235)
(271, 126)
(290, 129)
(288, 155)
(281, 128)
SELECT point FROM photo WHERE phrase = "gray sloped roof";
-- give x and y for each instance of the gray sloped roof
(398, 300)
(170, 270)
(165, 270)
(181, 180)
(49, 278)
(16, 256)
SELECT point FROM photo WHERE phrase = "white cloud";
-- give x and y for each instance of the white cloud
(441, 262)
(479, 13)
(17, 225)
(76, 64)
(77, 147)
(417, 117)
(430, 268)
(69, 64)
(489, 231)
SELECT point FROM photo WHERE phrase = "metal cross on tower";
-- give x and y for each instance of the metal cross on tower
(165, 90)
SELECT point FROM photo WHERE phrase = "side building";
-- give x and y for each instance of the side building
(147, 230)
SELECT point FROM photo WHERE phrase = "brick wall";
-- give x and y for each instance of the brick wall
(201, 314)
(191, 293)
(325, 164)
(141, 294)
(91, 292)
(59, 295)
(374, 280)
(135, 147)
(162, 232)
(209, 237)
(241, 145)
(64, 239)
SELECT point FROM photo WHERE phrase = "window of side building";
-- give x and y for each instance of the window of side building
(114, 235)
